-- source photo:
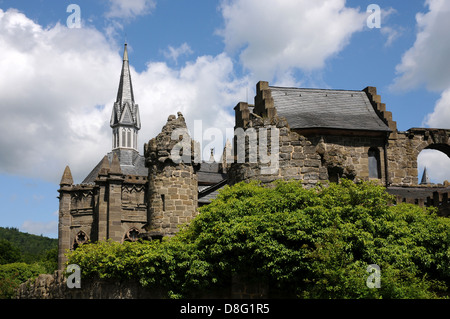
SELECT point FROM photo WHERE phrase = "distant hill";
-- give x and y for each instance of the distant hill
(31, 246)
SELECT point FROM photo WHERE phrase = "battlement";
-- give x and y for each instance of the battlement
(424, 196)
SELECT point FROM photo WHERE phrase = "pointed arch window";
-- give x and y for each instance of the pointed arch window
(124, 138)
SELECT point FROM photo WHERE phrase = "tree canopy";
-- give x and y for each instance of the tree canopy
(305, 243)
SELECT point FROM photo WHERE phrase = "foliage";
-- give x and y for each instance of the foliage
(12, 275)
(309, 243)
(32, 247)
(24, 256)
(8, 252)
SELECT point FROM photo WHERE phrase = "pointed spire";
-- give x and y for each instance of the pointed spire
(125, 91)
(125, 119)
(125, 53)
(425, 178)
(104, 167)
(115, 166)
(67, 177)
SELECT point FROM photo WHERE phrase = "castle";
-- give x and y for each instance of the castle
(313, 135)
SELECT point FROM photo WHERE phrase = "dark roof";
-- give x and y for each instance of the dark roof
(131, 163)
(210, 173)
(206, 195)
(321, 108)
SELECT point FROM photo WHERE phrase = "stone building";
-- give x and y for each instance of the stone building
(128, 195)
(313, 135)
(326, 135)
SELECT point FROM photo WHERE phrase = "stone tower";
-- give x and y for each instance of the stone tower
(110, 203)
(172, 178)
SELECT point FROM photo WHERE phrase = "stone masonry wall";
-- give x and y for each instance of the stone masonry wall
(404, 149)
(312, 158)
(54, 286)
(173, 182)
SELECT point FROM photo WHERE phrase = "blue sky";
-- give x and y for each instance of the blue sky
(200, 57)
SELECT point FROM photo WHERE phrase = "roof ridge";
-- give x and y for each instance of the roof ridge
(315, 89)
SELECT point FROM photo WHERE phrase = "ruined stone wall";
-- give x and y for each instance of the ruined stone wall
(327, 156)
(54, 286)
(173, 182)
(404, 149)
(320, 155)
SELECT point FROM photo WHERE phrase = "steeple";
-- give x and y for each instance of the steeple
(425, 178)
(125, 119)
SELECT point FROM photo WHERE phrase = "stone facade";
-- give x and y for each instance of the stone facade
(113, 208)
(288, 133)
(173, 184)
(54, 286)
(310, 155)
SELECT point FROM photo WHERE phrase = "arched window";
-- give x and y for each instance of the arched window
(124, 138)
(374, 163)
(131, 235)
(80, 239)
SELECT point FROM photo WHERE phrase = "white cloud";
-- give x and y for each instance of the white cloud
(40, 228)
(276, 36)
(437, 164)
(426, 62)
(440, 117)
(59, 85)
(391, 34)
(129, 8)
(204, 89)
(174, 53)
(51, 81)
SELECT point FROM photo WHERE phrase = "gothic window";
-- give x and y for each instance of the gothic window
(124, 138)
(131, 235)
(80, 239)
(116, 138)
(374, 163)
(128, 138)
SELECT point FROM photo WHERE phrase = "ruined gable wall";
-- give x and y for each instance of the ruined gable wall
(302, 155)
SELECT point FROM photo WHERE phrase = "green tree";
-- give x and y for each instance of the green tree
(306, 243)
(12, 275)
(8, 252)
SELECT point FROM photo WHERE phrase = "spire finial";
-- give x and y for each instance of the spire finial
(125, 52)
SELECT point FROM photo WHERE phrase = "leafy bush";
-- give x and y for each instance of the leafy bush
(12, 275)
(307, 243)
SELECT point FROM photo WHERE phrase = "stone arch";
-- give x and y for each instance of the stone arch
(444, 148)
(436, 139)
(430, 139)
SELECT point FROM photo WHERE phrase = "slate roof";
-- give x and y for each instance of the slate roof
(131, 163)
(210, 173)
(125, 111)
(323, 108)
(209, 193)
